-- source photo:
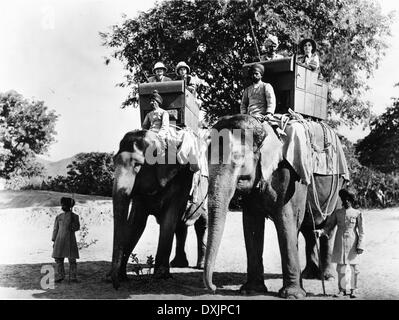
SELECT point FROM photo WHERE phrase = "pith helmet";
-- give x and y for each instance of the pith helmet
(159, 65)
(312, 42)
(182, 64)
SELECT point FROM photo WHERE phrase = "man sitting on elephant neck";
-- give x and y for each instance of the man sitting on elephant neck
(157, 120)
(258, 99)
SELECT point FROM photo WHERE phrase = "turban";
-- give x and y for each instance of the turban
(259, 68)
(157, 97)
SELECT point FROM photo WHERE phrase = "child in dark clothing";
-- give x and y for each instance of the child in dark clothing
(65, 246)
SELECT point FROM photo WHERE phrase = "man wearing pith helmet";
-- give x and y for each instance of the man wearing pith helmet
(159, 71)
(183, 73)
(258, 99)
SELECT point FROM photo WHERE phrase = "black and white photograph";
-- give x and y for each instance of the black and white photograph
(222, 151)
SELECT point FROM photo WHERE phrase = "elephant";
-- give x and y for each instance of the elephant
(274, 193)
(162, 190)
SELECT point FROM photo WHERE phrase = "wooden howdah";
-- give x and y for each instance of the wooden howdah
(295, 86)
(180, 103)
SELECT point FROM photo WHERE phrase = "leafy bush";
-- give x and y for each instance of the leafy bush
(90, 173)
(367, 181)
(83, 243)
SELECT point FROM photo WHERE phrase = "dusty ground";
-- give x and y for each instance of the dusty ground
(26, 220)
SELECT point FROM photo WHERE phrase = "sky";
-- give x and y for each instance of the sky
(51, 51)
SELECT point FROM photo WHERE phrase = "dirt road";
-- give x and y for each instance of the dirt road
(25, 239)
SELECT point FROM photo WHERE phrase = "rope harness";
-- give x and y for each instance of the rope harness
(333, 194)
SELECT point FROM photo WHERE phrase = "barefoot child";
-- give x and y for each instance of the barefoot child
(65, 246)
(348, 242)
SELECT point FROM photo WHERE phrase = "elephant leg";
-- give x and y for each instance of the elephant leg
(201, 226)
(311, 270)
(180, 260)
(287, 233)
(167, 230)
(254, 230)
(136, 225)
(168, 222)
(288, 218)
(326, 248)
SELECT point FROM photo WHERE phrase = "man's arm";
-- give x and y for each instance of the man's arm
(314, 63)
(270, 98)
(244, 102)
(146, 123)
(76, 223)
(360, 228)
(329, 226)
(55, 230)
(165, 122)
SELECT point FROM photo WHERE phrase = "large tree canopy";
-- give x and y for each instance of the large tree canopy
(380, 148)
(215, 39)
(26, 129)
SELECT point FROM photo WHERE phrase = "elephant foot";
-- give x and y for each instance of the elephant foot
(292, 292)
(311, 271)
(179, 262)
(329, 275)
(253, 288)
(162, 273)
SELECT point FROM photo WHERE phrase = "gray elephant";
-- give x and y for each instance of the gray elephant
(279, 195)
(159, 189)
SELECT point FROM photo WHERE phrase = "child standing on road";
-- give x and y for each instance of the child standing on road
(65, 246)
(348, 243)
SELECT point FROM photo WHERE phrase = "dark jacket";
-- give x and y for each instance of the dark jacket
(65, 226)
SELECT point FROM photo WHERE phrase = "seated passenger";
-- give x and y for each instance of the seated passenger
(258, 99)
(159, 71)
(308, 56)
(183, 73)
(157, 120)
(269, 48)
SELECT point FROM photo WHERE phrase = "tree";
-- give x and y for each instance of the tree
(26, 129)
(89, 173)
(215, 39)
(379, 149)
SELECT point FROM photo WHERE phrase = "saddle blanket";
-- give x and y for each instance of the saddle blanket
(313, 148)
(183, 146)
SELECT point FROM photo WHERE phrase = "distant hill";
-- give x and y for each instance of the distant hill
(57, 168)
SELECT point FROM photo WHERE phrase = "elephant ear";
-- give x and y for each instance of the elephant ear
(271, 153)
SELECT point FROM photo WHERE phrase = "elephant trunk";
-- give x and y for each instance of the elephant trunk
(217, 219)
(121, 196)
(221, 190)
